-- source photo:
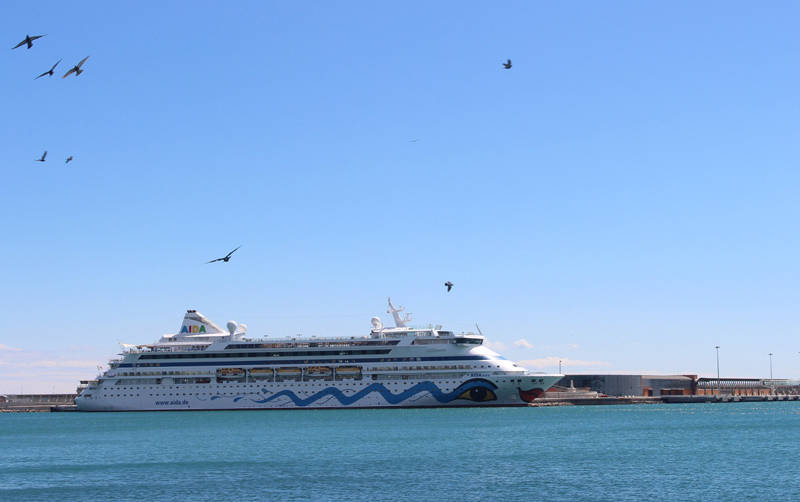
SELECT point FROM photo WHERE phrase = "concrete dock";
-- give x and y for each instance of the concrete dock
(36, 402)
(65, 402)
(595, 401)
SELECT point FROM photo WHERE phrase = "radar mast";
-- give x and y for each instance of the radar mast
(399, 322)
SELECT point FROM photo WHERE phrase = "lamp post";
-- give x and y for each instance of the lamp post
(771, 383)
(717, 347)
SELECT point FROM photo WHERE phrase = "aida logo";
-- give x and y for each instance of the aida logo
(193, 329)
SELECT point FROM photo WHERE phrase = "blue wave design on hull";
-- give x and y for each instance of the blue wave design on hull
(442, 397)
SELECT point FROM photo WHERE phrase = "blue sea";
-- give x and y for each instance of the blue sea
(726, 452)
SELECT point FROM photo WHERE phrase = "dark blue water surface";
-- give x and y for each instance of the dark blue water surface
(741, 451)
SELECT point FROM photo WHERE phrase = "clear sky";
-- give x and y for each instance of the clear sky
(624, 198)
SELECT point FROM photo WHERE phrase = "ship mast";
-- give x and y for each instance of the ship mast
(399, 322)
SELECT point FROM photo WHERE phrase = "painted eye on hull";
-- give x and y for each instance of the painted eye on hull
(478, 394)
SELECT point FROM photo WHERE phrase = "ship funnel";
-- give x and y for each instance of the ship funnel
(195, 323)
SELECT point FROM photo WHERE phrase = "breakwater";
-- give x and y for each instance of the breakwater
(599, 401)
(64, 402)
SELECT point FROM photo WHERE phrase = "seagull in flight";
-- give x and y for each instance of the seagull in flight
(76, 69)
(449, 285)
(28, 40)
(43, 156)
(69, 159)
(50, 71)
(225, 258)
(507, 65)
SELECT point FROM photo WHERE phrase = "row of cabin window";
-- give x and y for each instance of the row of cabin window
(235, 346)
(265, 354)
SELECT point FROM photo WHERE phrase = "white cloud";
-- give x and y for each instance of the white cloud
(523, 343)
(51, 363)
(10, 349)
(551, 362)
(68, 363)
(573, 346)
(496, 346)
(43, 371)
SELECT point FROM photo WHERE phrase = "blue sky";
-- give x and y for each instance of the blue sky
(624, 198)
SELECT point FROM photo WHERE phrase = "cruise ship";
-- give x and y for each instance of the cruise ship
(202, 367)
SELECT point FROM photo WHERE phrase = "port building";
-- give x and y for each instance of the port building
(676, 385)
(633, 385)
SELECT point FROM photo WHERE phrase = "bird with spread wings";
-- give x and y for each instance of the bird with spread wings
(225, 258)
(50, 71)
(28, 40)
(76, 69)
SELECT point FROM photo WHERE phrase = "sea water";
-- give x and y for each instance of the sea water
(737, 451)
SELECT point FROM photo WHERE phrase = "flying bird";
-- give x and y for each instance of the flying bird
(28, 40)
(225, 258)
(43, 156)
(76, 69)
(50, 71)
(413, 140)
(507, 65)
(449, 285)
(69, 159)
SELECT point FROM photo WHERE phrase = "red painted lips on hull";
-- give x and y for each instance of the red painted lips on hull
(529, 395)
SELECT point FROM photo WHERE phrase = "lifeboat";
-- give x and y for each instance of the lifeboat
(261, 372)
(288, 374)
(319, 371)
(230, 373)
(349, 372)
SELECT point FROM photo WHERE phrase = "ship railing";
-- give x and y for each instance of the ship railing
(171, 348)
(308, 339)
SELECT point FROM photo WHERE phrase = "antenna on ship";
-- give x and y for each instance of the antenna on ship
(479, 329)
(232, 325)
(399, 322)
(377, 327)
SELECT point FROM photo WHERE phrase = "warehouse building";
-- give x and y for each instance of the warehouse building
(633, 385)
(747, 386)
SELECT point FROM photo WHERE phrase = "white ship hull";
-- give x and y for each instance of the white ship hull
(472, 391)
(202, 368)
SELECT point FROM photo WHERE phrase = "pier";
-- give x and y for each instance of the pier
(572, 390)
(10, 403)
(666, 399)
(28, 403)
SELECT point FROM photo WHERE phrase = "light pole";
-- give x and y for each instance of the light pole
(771, 385)
(717, 347)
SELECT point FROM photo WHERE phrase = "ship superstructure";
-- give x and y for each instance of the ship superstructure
(203, 367)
